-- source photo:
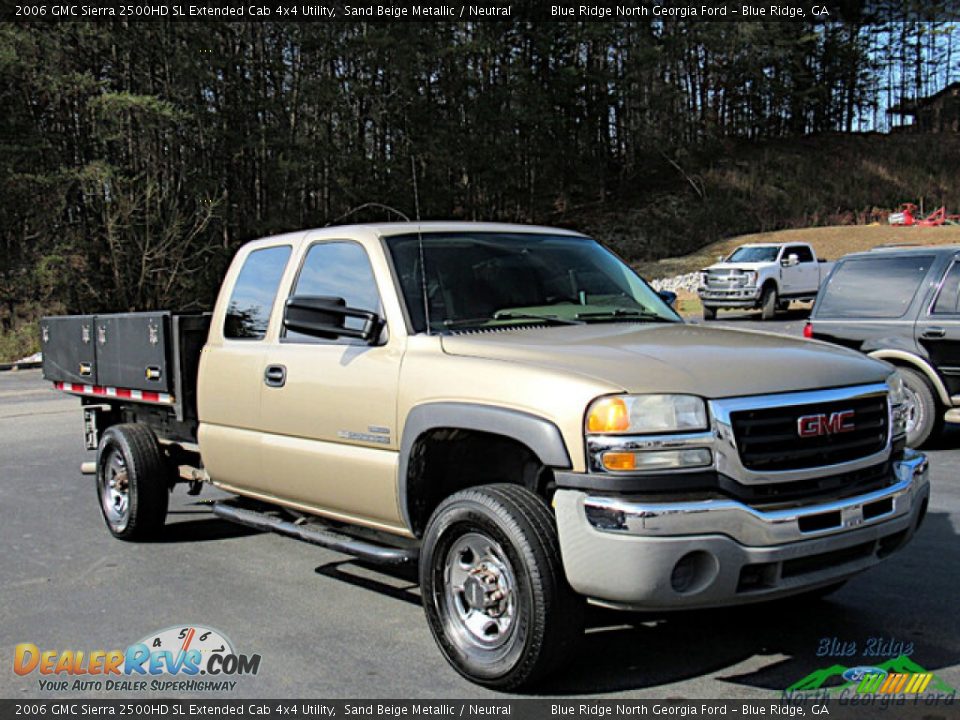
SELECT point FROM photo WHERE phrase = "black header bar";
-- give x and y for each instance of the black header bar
(873, 12)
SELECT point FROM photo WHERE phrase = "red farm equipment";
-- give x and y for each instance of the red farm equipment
(906, 216)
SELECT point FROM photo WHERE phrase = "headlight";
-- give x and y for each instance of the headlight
(641, 414)
(898, 396)
(750, 278)
(895, 388)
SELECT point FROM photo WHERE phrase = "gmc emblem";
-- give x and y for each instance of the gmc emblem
(817, 425)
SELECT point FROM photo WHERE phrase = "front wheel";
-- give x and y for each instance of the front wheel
(494, 592)
(768, 303)
(924, 418)
(709, 313)
(132, 482)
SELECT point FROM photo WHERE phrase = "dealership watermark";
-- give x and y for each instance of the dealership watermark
(181, 658)
(877, 670)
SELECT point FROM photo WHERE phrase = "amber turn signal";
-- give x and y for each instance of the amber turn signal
(608, 415)
(620, 461)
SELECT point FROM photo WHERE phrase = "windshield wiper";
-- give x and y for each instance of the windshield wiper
(622, 314)
(547, 319)
(531, 316)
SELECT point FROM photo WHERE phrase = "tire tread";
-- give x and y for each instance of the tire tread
(558, 622)
(141, 450)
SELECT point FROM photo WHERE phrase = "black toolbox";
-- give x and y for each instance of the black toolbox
(133, 351)
(152, 351)
(69, 349)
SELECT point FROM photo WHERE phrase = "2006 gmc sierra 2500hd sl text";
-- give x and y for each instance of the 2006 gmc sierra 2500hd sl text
(512, 408)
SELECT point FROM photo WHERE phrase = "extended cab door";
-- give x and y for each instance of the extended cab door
(938, 328)
(228, 390)
(328, 407)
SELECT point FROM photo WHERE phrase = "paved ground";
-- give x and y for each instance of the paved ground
(327, 626)
(789, 323)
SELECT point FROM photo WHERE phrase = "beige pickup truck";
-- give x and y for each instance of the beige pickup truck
(513, 410)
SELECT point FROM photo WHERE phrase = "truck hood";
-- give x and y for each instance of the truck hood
(676, 358)
(741, 265)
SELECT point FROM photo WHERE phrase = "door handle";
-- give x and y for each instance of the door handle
(933, 333)
(275, 375)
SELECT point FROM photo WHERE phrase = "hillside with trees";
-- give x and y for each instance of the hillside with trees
(135, 159)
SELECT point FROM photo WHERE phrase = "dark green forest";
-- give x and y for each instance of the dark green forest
(136, 158)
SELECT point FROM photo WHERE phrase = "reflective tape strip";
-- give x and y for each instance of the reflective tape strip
(125, 393)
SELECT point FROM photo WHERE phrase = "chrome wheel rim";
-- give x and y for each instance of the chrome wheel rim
(479, 593)
(115, 490)
(912, 409)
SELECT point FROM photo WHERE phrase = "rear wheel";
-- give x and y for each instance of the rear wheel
(924, 415)
(768, 303)
(709, 313)
(494, 592)
(132, 482)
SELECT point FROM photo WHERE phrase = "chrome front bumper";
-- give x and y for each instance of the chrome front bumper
(737, 295)
(629, 552)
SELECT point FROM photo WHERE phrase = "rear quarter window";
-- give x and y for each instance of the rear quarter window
(254, 292)
(874, 287)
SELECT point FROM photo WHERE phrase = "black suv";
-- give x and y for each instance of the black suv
(901, 305)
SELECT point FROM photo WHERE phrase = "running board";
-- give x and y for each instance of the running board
(329, 539)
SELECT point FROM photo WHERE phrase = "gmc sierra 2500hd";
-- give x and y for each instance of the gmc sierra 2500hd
(512, 408)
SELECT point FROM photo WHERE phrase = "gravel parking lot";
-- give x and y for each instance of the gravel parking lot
(328, 626)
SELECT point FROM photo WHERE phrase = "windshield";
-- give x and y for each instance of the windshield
(496, 279)
(765, 253)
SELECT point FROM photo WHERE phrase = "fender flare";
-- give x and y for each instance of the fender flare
(541, 436)
(917, 363)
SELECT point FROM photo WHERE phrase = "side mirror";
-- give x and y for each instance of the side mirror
(790, 260)
(669, 297)
(325, 317)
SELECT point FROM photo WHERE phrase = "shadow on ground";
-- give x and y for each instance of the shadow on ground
(792, 314)
(630, 651)
(201, 530)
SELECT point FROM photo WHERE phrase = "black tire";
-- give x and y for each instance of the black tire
(925, 419)
(709, 313)
(132, 482)
(498, 539)
(768, 303)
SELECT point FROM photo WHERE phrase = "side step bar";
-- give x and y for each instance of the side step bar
(330, 539)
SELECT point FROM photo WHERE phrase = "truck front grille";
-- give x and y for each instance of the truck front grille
(724, 279)
(771, 439)
(776, 495)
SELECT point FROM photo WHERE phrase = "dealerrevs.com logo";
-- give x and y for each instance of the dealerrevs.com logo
(185, 658)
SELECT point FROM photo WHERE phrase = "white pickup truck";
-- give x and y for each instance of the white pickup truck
(763, 276)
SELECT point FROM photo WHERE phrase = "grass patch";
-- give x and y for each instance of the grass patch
(19, 343)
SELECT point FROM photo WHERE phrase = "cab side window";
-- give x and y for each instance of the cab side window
(251, 301)
(803, 253)
(946, 303)
(338, 270)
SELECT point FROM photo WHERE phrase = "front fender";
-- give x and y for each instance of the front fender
(769, 275)
(541, 436)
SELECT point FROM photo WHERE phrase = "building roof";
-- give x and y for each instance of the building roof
(910, 106)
